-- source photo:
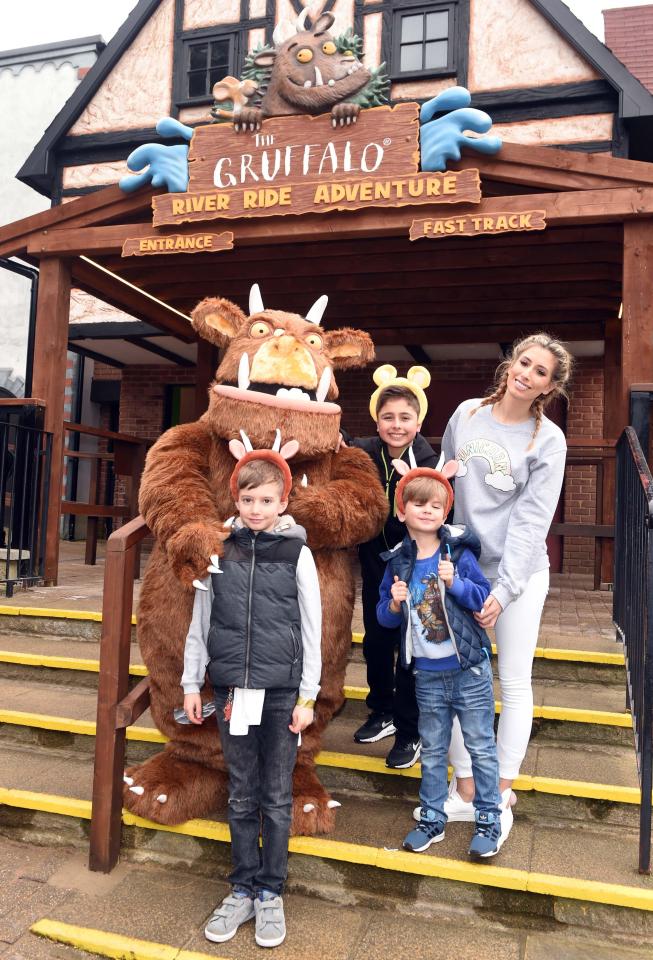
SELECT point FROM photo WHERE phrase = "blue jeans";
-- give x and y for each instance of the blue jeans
(260, 766)
(469, 695)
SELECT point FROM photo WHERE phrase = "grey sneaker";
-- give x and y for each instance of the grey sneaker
(225, 919)
(270, 922)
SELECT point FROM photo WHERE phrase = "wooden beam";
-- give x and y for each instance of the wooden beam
(572, 207)
(471, 331)
(98, 207)
(132, 301)
(48, 382)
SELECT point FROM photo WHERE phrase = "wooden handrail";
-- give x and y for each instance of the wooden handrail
(104, 434)
(113, 704)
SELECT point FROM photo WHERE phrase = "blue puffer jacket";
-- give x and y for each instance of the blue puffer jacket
(469, 591)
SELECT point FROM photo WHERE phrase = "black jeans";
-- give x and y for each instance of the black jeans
(392, 689)
(260, 766)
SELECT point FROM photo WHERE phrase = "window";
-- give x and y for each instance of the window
(423, 40)
(207, 60)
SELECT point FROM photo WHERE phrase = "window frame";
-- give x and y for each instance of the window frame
(230, 33)
(411, 8)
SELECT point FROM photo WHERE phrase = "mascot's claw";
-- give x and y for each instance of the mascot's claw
(308, 807)
(162, 797)
(332, 804)
(128, 780)
(199, 585)
(189, 547)
(139, 791)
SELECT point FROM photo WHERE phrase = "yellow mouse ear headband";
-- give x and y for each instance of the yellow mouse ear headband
(416, 380)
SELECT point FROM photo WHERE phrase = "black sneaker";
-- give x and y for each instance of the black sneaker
(404, 754)
(376, 727)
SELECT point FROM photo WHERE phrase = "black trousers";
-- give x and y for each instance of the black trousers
(392, 689)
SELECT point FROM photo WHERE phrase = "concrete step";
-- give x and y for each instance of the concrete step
(48, 893)
(559, 779)
(581, 876)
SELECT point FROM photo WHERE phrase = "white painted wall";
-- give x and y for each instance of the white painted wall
(31, 95)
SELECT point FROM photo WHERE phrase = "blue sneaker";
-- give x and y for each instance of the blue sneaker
(487, 837)
(425, 833)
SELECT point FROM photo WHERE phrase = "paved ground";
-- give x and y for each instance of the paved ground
(170, 906)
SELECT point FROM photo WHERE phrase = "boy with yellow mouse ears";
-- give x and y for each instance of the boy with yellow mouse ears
(398, 407)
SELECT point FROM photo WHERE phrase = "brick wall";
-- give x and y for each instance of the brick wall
(629, 34)
(584, 419)
(142, 397)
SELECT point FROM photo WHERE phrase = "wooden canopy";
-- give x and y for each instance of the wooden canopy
(571, 278)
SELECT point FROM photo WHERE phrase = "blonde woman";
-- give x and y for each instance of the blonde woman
(511, 461)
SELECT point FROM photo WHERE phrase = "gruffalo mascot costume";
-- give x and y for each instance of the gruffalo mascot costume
(277, 373)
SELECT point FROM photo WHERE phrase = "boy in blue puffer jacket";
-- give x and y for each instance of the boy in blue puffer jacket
(432, 585)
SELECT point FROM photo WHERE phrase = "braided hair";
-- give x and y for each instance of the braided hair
(559, 377)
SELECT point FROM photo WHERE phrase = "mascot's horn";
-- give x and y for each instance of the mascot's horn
(316, 312)
(255, 300)
(301, 20)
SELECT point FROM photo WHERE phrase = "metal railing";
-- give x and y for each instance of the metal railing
(25, 453)
(633, 610)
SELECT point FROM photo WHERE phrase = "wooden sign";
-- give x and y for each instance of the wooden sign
(478, 224)
(302, 164)
(177, 243)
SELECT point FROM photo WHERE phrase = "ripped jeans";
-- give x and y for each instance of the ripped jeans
(260, 766)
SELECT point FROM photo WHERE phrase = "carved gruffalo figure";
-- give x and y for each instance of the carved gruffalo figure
(277, 373)
(309, 75)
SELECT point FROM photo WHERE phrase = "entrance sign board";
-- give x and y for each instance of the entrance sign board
(476, 225)
(177, 243)
(301, 164)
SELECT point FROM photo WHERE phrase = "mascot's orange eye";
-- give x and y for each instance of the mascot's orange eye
(305, 55)
(349, 53)
(314, 341)
(259, 329)
(329, 47)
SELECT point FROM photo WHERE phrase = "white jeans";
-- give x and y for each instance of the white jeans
(516, 631)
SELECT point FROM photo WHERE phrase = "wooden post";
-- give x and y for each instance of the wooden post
(112, 688)
(628, 353)
(207, 363)
(48, 383)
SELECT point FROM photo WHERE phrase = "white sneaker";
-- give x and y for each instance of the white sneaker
(456, 809)
(506, 815)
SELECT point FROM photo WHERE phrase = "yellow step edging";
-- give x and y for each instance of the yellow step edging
(400, 861)
(348, 761)
(112, 944)
(544, 653)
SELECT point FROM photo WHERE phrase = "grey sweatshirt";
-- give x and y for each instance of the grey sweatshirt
(506, 492)
(196, 654)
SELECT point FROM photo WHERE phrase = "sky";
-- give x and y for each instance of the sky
(32, 22)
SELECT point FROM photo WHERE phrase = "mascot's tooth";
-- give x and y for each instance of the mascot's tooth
(304, 481)
(332, 804)
(138, 790)
(323, 385)
(307, 83)
(319, 82)
(331, 83)
(164, 796)
(308, 807)
(128, 780)
(283, 392)
(243, 372)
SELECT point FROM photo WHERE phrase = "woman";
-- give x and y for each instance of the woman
(511, 461)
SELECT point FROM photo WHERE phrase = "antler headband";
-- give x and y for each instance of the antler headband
(411, 471)
(278, 455)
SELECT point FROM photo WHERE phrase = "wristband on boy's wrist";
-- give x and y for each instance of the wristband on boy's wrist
(305, 702)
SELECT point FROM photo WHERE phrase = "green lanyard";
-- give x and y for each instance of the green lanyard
(389, 474)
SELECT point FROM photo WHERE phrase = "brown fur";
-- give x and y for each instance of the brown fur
(185, 499)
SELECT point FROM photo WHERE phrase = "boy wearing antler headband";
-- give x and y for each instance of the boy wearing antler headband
(432, 585)
(256, 628)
